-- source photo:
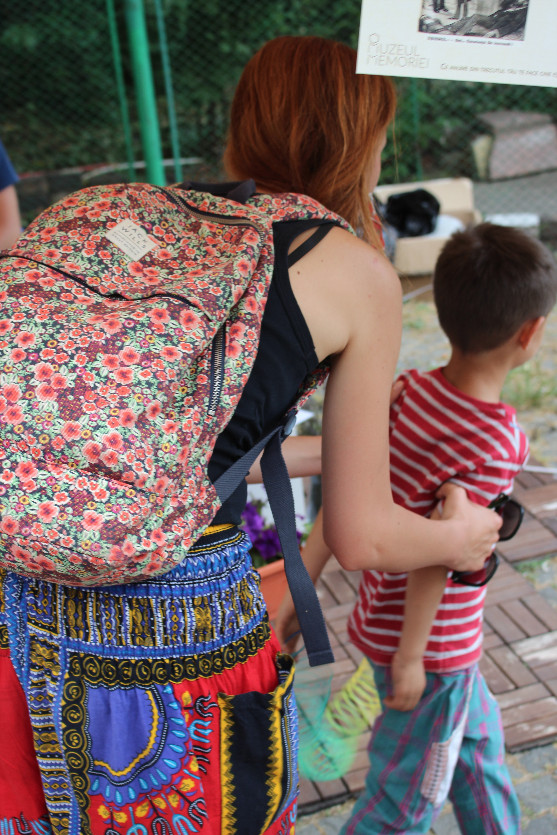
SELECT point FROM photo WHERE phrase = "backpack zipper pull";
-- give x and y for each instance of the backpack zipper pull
(217, 369)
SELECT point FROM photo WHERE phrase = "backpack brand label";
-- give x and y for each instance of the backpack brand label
(131, 239)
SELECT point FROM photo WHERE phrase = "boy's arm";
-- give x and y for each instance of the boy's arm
(424, 591)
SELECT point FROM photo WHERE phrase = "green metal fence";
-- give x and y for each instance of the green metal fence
(108, 89)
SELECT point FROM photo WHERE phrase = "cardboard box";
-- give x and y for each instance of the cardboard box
(417, 256)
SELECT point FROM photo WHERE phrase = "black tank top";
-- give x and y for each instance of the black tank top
(284, 359)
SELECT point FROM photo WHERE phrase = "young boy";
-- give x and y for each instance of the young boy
(440, 732)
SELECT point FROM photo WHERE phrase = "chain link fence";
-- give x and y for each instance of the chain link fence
(69, 113)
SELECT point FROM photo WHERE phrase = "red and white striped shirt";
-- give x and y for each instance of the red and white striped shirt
(438, 433)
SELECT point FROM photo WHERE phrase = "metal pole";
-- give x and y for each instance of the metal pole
(174, 137)
(145, 91)
(117, 57)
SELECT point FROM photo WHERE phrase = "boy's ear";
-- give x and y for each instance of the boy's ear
(528, 331)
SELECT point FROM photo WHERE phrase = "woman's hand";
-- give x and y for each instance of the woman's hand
(480, 528)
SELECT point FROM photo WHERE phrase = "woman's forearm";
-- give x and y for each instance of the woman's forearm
(302, 454)
(384, 536)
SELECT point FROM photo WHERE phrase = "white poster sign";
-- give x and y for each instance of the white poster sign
(506, 41)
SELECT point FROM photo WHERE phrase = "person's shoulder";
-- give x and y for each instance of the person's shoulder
(419, 390)
(363, 267)
(414, 378)
(346, 241)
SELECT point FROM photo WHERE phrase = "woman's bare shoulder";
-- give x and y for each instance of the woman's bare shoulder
(339, 285)
(343, 253)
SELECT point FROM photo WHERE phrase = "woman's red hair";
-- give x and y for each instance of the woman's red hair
(303, 121)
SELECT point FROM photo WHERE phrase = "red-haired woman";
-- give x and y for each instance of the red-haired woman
(166, 706)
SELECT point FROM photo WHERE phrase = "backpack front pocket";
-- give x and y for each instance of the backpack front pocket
(259, 746)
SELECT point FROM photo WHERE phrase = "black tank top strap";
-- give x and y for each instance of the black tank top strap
(285, 357)
(309, 243)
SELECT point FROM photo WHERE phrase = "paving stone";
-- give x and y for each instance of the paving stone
(546, 825)
(512, 665)
(531, 724)
(339, 587)
(492, 640)
(356, 780)
(543, 610)
(308, 793)
(503, 625)
(525, 481)
(533, 540)
(507, 585)
(329, 789)
(327, 822)
(306, 828)
(538, 794)
(497, 681)
(333, 824)
(539, 651)
(541, 501)
(527, 620)
(550, 595)
(325, 597)
(339, 612)
(446, 824)
(515, 772)
(522, 695)
(552, 685)
(547, 672)
(538, 759)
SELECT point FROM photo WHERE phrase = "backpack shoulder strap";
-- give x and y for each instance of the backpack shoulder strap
(281, 500)
(240, 191)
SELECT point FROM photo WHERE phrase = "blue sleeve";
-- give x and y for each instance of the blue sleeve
(7, 172)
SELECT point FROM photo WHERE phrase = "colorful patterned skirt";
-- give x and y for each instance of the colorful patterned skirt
(156, 708)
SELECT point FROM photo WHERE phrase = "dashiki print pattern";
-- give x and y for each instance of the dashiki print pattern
(22, 805)
(159, 708)
(438, 433)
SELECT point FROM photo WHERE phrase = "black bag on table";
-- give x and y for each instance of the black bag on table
(412, 213)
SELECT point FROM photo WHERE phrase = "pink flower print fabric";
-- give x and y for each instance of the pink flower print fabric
(129, 322)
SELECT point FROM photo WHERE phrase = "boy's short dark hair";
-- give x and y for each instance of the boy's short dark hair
(488, 281)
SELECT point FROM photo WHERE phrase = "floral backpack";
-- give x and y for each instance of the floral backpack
(129, 323)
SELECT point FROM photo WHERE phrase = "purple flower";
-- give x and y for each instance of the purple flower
(268, 544)
(264, 536)
(253, 521)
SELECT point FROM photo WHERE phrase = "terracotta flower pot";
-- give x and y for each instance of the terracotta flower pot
(273, 585)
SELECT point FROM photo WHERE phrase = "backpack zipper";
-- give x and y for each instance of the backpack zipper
(95, 290)
(218, 350)
(180, 201)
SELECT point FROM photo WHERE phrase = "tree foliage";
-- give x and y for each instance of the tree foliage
(60, 104)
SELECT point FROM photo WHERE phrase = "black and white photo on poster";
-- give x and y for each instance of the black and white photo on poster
(475, 18)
